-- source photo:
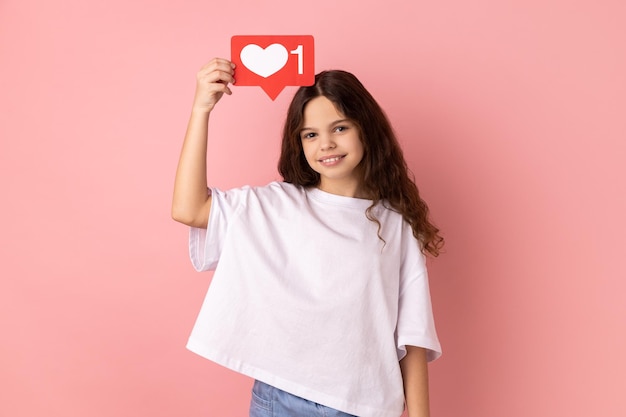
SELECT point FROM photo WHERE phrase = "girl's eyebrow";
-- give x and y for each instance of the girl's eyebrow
(336, 122)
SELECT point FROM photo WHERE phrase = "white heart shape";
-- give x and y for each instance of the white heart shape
(264, 62)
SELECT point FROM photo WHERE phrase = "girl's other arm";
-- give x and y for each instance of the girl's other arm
(191, 203)
(415, 377)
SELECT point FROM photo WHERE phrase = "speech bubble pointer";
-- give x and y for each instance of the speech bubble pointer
(272, 90)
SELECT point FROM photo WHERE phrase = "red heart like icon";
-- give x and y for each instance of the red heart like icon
(273, 62)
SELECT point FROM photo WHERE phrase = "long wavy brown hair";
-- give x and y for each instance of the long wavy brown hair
(386, 177)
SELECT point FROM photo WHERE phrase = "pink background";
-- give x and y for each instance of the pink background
(512, 115)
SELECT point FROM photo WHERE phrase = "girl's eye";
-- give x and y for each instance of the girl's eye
(309, 135)
(340, 128)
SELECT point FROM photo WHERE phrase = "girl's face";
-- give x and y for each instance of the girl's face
(332, 147)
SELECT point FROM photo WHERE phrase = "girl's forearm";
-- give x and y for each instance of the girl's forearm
(190, 200)
(414, 368)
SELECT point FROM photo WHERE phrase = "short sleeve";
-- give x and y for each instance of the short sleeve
(205, 245)
(415, 325)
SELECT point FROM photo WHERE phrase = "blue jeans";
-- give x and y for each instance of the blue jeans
(268, 401)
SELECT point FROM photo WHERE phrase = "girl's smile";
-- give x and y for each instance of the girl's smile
(331, 160)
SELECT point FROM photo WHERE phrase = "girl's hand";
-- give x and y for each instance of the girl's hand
(212, 83)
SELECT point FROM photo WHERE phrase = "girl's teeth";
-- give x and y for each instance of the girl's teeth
(330, 160)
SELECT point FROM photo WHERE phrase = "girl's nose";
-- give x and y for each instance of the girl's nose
(326, 142)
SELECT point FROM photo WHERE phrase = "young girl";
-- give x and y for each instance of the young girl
(320, 291)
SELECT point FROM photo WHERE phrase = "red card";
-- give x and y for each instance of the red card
(273, 62)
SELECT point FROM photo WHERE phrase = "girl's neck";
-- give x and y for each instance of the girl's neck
(347, 189)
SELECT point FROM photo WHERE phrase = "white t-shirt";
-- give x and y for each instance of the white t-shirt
(307, 298)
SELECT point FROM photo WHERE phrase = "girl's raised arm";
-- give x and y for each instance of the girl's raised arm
(191, 203)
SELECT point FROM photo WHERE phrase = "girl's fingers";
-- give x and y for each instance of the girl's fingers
(225, 75)
(217, 61)
(217, 64)
(217, 70)
(219, 76)
(212, 82)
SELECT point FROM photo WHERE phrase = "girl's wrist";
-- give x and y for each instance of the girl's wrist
(201, 111)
